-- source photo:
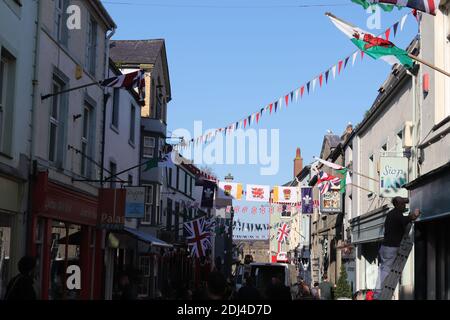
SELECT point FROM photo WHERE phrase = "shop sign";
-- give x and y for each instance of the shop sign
(112, 209)
(331, 202)
(393, 175)
(135, 202)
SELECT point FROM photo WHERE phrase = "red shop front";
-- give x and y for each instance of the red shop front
(64, 234)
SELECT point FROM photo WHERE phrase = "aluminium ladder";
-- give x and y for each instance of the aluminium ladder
(391, 281)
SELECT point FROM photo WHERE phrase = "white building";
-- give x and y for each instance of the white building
(17, 44)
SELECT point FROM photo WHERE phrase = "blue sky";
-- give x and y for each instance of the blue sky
(228, 59)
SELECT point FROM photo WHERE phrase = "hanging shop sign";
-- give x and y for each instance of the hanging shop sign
(135, 202)
(112, 209)
(331, 201)
(393, 176)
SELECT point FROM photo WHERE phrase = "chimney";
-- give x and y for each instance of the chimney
(298, 163)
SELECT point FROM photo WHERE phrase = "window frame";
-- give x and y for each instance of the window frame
(115, 108)
(148, 204)
(145, 146)
(3, 95)
(132, 137)
(55, 121)
(91, 46)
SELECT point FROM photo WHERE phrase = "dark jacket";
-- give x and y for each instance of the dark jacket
(394, 228)
(20, 288)
(248, 293)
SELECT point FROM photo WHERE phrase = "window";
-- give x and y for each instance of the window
(60, 28)
(190, 185)
(161, 147)
(115, 108)
(170, 178)
(55, 113)
(113, 171)
(86, 141)
(91, 46)
(3, 91)
(148, 205)
(145, 271)
(149, 147)
(132, 122)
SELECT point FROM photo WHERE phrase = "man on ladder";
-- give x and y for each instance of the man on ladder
(395, 229)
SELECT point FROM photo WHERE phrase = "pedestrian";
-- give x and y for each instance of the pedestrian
(326, 288)
(126, 288)
(248, 291)
(276, 290)
(21, 287)
(315, 291)
(216, 286)
(394, 230)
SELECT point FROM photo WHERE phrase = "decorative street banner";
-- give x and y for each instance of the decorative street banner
(393, 175)
(285, 195)
(307, 200)
(208, 194)
(134, 205)
(229, 190)
(331, 201)
(258, 193)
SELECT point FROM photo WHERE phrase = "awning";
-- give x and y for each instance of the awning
(145, 237)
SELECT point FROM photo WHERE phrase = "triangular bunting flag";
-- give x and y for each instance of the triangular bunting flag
(286, 98)
(333, 70)
(302, 91)
(257, 118)
(395, 28)
(307, 86)
(402, 22)
(292, 95)
(276, 106)
(321, 79)
(327, 73)
(271, 105)
(245, 123)
(387, 34)
(237, 125)
(340, 66)
(314, 84)
(346, 61)
(362, 54)
(249, 120)
(354, 57)
(280, 102)
(296, 95)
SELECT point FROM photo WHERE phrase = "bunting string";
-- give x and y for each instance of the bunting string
(293, 96)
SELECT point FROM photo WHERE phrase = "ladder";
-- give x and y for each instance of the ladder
(391, 281)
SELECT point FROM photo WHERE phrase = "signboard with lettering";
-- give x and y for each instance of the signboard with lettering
(134, 206)
(112, 209)
(393, 175)
(331, 202)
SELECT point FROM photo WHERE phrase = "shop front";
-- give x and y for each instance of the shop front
(65, 241)
(12, 231)
(430, 193)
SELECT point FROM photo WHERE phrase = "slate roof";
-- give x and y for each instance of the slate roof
(136, 51)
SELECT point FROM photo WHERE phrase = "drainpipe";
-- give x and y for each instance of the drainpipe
(31, 141)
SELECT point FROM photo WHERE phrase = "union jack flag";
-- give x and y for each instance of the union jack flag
(128, 81)
(199, 236)
(325, 182)
(283, 233)
(428, 6)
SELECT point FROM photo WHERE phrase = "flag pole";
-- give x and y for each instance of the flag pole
(429, 64)
(363, 175)
(355, 185)
(68, 90)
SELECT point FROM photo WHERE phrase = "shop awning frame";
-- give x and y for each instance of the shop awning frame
(145, 237)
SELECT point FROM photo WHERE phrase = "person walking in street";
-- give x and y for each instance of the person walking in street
(315, 291)
(277, 290)
(248, 291)
(21, 286)
(326, 288)
(394, 230)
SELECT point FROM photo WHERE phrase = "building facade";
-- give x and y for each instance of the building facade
(16, 105)
(429, 192)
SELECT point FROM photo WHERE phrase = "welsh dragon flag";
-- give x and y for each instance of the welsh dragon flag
(368, 3)
(375, 47)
